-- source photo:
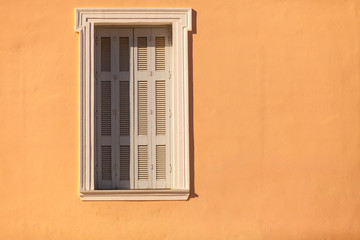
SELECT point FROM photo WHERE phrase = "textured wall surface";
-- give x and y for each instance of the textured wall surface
(275, 125)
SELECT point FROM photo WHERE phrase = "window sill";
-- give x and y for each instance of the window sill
(134, 195)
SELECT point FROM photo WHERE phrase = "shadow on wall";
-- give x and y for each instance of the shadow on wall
(191, 107)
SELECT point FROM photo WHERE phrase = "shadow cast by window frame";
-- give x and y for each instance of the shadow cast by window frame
(191, 106)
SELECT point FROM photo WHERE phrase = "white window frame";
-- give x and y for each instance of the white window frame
(180, 21)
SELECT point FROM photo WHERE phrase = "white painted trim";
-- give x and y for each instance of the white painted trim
(180, 21)
(137, 195)
(129, 16)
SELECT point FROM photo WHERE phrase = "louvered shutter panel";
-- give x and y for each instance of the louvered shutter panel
(105, 148)
(113, 108)
(152, 120)
(125, 37)
(142, 108)
(132, 108)
(160, 126)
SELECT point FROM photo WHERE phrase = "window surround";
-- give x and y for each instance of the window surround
(180, 20)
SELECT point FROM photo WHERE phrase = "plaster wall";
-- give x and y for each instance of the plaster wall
(275, 125)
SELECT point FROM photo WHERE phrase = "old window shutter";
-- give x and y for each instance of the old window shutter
(133, 107)
(125, 37)
(113, 109)
(106, 150)
(152, 78)
(160, 92)
(143, 108)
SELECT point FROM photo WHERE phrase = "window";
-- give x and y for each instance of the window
(134, 104)
(132, 113)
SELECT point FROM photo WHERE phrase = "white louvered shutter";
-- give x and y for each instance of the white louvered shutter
(160, 118)
(113, 93)
(142, 108)
(152, 165)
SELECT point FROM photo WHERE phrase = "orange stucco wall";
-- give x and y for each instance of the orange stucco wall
(275, 125)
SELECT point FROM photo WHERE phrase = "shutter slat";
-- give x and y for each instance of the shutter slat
(160, 108)
(142, 108)
(105, 108)
(105, 54)
(142, 53)
(124, 108)
(160, 162)
(143, 162)
(159, 53)
(124, 54)
(124, 162)
(106, 162)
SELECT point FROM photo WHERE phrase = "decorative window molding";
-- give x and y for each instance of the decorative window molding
(180, 21)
